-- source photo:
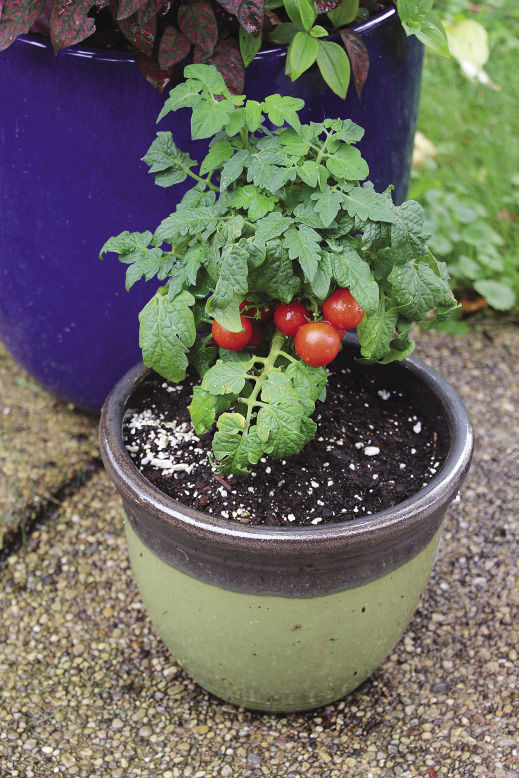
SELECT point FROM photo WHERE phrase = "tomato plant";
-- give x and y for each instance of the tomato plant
(252, 312)
(256, 337)
(317, 343)
(289, 317)
(275, 217)
(232, 341)
(342, 310)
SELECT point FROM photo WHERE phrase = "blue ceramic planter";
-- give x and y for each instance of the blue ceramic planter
(73, 129)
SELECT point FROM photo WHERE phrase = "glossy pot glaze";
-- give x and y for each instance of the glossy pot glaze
(286, 618)
(74, 128)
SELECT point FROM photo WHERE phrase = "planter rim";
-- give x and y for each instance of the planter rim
(112, 55)
(401, 518)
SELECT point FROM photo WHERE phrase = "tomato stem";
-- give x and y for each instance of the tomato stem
(276, 350)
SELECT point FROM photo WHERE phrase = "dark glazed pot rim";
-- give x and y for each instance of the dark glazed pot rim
(109, 55)
(401, 520)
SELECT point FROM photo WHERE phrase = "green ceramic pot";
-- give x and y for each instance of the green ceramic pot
(286, 619)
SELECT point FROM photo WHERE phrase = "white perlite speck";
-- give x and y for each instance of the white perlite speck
(291, 517)
(384, 394)
(417, 427)
(371, 451)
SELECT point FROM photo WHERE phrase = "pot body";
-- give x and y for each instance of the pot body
(278, 653)
(74, 128)
(287, 618)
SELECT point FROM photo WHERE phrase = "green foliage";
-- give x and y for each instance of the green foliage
(273, 215)
(163, 34)
(471, 247)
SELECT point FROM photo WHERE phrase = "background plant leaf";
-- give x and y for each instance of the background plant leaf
(16, 18)
(358, 56)
(173, 48)
(197, 23)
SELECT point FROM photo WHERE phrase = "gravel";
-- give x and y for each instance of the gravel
(46, 447)
(89, 690)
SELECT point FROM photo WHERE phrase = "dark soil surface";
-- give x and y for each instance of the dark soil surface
(372, 450)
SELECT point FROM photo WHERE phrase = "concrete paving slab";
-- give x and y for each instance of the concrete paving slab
(45, 445)
(89, 690)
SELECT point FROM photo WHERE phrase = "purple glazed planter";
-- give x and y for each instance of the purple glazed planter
(74, 127)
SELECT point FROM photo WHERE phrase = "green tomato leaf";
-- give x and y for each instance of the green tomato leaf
(205, 407)
(266, 174)
(302, 243)
(283, 109)
(167, 331)
(294, 144)
(236, 122)
(185, 95)
(328, 204)
(347, 163)
(309, 172)
(163, 158)
(253, 114)
(232, 277)
(271, 226)
(276, 276)
(365, 203)
(209, 78)
(219, 153)
(308, 383)
(185, 221)
(375, 332)
(407, 232)
(417, 289)
(226, 377)
(209, 116)
(233, 168)
(202, 356)
(321, 281)
(234, 451)
(353, 273)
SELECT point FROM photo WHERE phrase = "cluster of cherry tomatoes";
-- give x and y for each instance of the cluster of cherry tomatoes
(316, 342)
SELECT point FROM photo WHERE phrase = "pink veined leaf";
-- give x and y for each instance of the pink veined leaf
(42, 24)
(248, 12)
(198, 23)
(152, 72)
(323, 6)
(16, 18)
(227, 59)
(173, 48)
(359, 57)
(150, 9)
(126, 8)
(70, 23)
(141, 36)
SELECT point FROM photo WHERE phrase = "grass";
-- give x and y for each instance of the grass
(475, 129)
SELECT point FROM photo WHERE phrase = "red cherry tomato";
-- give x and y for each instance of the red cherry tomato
(342, 310)
(233, 341)
(289, 317)
(257, 336)
(259, 314)
(317, 343)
